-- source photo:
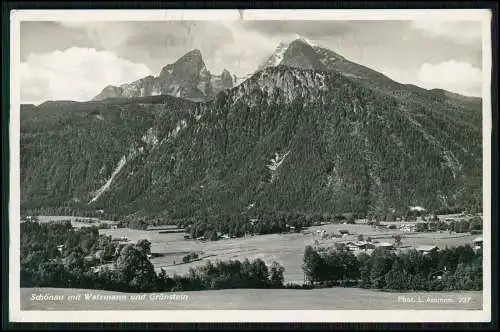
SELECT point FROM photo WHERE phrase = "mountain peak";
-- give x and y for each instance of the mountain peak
(276, 58)
(188, 78)
(304, 40)
(191, 56)
(299, 53)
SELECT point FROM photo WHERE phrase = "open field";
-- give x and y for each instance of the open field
(74, 222)
(287, 249)
(256, 299)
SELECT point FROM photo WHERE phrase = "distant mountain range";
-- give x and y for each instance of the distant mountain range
(309, 131)
(186, 78)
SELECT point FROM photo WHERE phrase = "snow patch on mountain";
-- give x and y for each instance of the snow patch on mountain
(306, 40)
(277, 57)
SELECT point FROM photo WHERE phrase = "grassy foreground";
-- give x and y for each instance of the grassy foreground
(256, 299)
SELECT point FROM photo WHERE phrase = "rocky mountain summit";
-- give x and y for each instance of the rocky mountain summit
(187, 78)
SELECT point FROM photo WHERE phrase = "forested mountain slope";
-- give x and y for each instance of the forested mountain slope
(303, 138)
(287, 139)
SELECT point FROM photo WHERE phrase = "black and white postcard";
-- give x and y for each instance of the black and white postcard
(250, 166)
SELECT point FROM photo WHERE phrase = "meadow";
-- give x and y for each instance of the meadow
(75, 221)
(287, 249)
(259, 299)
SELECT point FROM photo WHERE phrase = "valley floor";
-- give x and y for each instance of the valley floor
(287, 249)
(253, 299)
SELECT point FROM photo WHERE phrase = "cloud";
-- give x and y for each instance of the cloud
(462, 32)
(316, 29)
(74, 74)
(452, 75)
(244, 51)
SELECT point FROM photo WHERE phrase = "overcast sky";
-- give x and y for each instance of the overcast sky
(75, 61)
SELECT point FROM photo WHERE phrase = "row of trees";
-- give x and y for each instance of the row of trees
(133, 272)
(458, 268)
(263, 223)
(474, 225)
(75, 211)
(56, 246)
(44, 263)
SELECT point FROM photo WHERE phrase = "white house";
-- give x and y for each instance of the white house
(385, 245)
(478, 243)
(359, 246)
(426, 249)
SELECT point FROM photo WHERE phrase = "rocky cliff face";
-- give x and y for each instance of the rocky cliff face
(187, 78)
(295, 136)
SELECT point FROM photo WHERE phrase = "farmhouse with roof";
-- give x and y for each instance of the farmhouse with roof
(478, 243)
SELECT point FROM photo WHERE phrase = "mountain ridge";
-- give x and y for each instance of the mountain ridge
(294, 136)
(285, 139)
(188, 78)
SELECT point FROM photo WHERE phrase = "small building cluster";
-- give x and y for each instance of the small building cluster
(407, 228)
(365, 246)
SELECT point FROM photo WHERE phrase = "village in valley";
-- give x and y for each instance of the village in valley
(173, 249)
(294, 175)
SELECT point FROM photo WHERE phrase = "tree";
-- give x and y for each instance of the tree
(422, 227)
(145, 246)
(397, 239)
(75, 259)
(476, 224)
(211, 235)
(397, 278)
(277, 277)
(135, 270)
(259, 272)
(312, 263)
(350, 266)
(381, 263)
(361, 237)
(364, 263)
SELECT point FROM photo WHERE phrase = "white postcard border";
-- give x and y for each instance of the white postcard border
(18, 315)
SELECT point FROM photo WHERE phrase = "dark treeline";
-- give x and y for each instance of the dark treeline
(48, 249)
(335, 137)
(473, 226)
(458, 268)
(129, 270)
(262, 223)
(70, 211)
(57, 255)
